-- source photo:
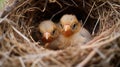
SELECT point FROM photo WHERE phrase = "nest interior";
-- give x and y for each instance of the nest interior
(19, 38)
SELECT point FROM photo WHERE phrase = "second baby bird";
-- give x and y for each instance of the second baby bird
(49, 33)
(72, 31)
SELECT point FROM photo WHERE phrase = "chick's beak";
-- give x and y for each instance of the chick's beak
(67, 31)
(66, 28)
(47, 35)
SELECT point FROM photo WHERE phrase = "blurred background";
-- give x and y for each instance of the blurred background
(2, 5)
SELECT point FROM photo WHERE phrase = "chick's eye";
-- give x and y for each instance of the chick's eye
(53, 32)
(61, 25)
(74, 26)
(40, 33)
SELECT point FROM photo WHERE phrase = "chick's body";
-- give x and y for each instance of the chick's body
(72, 32)
(49, 33)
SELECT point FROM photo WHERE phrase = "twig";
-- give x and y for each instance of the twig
(53, 1)
(93, 32)
(110, 57)
(21, 61)
(58, 12)
(83, 3)
(100, 53)
(66, 3)
(88, 15)
(101, 43)
(45, 5)
(20, 34)
(74, 3)
(87, 59)
(100, 5)
(35, 62)
(41, 62)
(59, 4)
(103, 34)
(113, 7)
(2, 19)
(57, 62)
(41, 55)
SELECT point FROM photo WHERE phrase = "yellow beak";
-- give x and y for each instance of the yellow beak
(47, 35)
(66, 27)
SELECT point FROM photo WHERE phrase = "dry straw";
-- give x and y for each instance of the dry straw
(18, 47)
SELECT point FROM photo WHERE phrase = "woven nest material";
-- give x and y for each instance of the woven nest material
(19, 41)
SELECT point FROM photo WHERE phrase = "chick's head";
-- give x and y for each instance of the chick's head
(69, 25)
(48, 31)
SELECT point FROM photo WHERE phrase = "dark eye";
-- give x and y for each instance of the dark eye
(74, 26)
(61, 25)
(53, 32)
(40, 33)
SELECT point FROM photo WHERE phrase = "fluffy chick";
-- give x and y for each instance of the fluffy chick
(72, 31)
(49, 33)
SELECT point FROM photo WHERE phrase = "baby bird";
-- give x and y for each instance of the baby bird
(49, 33)
(72, 31)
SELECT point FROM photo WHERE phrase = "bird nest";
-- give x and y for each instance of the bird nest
(20, 45)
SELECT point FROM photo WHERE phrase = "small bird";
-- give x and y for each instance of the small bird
(72, 31)
(49, 34)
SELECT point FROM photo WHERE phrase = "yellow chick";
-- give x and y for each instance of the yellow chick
(49, 33)
(72, 31)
